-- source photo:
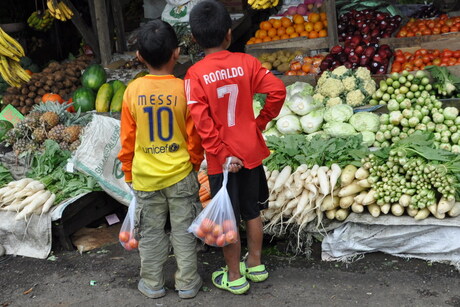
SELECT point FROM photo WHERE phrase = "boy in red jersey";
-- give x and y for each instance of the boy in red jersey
(220, 90)
(159, 150)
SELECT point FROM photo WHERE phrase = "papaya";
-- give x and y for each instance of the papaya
(116, 84)
(117, 99)
(104, 95)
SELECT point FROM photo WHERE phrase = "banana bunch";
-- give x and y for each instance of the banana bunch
(262, 4)
(10, 53)
(59, 10)
(40, 21)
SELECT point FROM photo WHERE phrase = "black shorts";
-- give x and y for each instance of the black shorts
(247, 189)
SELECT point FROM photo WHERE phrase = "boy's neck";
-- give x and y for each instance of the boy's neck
(213, 50)
(160, 72)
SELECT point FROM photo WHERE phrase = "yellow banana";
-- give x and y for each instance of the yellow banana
(49, 4)
(251, 2)
(7, 52)
(66, 9)
(6, 68)
(19, 71)
(275, 3)
(13, 43)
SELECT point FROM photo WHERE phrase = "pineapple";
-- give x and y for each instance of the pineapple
(32, 120)
(64, 145)
(56, 133)
(20, 146)
(49, 119)
(71, 134)
(39, 135)
(13, 135)
(74, 145)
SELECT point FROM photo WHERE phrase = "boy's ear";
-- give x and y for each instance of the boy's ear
(176, 53)
(139, 56)
(228, 38)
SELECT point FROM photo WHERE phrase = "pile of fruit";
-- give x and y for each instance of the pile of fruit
(305, 65)
(10, 53)
(262, 4)
(59, 10)
(58, 78)
(420, 27)
(424, 57)
(47, 121)
(276, 29)
(40, 21)
(278, 60)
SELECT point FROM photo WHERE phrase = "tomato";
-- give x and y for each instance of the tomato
(217, 230)
(446, 53)
(436, 61)
(133, 243)
(291, 73)
(307, 60)
(295, 66)
(124, 236)
(210, 239)
(451, 62)
(402, 33)
(400, 59)
(228, 225)
(418, 62)
(127, 247)
(200, 233)
(426, 59)
(231, 237)
(301, 73)
(220, 241)
(207, 225)
(456, 54)
(407, 66)
(396, 67)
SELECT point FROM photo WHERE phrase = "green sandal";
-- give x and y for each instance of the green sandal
(255, 274)
(220, 280)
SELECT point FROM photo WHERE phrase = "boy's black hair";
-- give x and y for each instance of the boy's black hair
(209, 22)
(156, 42)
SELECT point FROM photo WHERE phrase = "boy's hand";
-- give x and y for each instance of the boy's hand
(235, 165)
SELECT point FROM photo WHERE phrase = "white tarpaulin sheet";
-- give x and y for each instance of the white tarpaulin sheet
(430, 239)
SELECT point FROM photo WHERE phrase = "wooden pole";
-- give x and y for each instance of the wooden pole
(332, 32)
(119, 26)
(103, 31)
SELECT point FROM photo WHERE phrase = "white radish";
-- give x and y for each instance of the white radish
(361, 173)
(357, 208)
(405, 200)
(272, 205)
(342, 214)
(350, 189)
(289, 181)
(281, 199)
(364, 183)
(444, 205)
(314, 170)
(422, 214)
(301, 205)
(433, 208)
(412, 211)
(305, 174)
(329, 203)
(397, 209)
(37, 202)
(360, 198)
(370, 198)
(347, 201)
(49, 203)
(374, 210)
(330, 214)
(274, 175)
(348, 175)
(272, 197)
(385, 208)
(335, 175)
(323, 182)
(270, 185)
(20, 184)
(455, 211)
(282, 178)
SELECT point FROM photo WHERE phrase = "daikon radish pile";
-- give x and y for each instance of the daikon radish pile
(26, 197)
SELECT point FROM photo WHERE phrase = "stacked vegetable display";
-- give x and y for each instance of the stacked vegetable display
(419, 27)
(422, 58)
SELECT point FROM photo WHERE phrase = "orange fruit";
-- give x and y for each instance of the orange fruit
(265, 25)
(298, 19)
(322, 33)
(313, 17)
(306, 68)
(262, 34)
(272, 32)
(309, 26)
(272, 20)
(231, 237)
(294, 35)
(210, 239)
(275, 38)
(313, 34)
(281, 31)
(267, 39)
(322, 16)
(286, 22)
(290, 30)
(124, 236)
(133, 243)
(318, 26)
(304, 33)
(257, 40)
(325, 23)
(299, 28)
(256, 35)
(228, 225)
(284, 36)
(207, 225)
(220, 241)
(277, 23)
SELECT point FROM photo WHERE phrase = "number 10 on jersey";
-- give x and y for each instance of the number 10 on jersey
(160, 119)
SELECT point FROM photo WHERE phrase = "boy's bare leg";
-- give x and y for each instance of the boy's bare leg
(254, 232)
(232, 254)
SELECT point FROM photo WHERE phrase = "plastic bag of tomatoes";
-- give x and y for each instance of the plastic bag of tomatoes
(127, 235)
(216, 224)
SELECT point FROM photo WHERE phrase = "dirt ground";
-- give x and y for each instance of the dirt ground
(108, 277)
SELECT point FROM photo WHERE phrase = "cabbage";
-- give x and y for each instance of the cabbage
(301, 105)
(365, 121)
(271, 131)
(288, 124)
(338, 129)
(302, 88)
(257, 106)
(368, 138)
(270, 124)
(338, 113)
(284, 111)
(312, 121)
(320, 133)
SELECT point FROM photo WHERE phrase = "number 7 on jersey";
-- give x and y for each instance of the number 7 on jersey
(232, 91)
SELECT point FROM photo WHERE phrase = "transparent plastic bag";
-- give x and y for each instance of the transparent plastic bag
(128, 231)
(216, 224)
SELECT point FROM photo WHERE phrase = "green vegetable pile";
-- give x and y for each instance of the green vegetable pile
(446, 84)
(294, 150)
(5, 175)
(48, 168)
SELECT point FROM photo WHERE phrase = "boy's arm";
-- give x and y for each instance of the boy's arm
(194, 146)
(128, 140)
(205, 125)
(266, 83)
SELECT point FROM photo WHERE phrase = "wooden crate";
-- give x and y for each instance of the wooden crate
(297, 42)
(436, 41)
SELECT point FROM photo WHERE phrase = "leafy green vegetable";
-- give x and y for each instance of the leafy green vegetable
(295, 150)
(5, 175)
(446, 83)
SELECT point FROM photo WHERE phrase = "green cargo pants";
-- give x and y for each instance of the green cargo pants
(181, 201)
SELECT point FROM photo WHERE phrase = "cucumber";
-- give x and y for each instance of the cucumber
(117, 99)
(104, 95)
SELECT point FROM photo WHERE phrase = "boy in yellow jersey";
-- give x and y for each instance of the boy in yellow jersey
(160, 151)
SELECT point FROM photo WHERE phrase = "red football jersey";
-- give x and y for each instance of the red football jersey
(220, 90)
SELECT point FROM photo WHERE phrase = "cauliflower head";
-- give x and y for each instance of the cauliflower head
(349, 83)
(331, 88)
(340, 71)
(355, 98)
(324, 76)
(369, 87)
(333, 101)
(363, 73)
(318, 98)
